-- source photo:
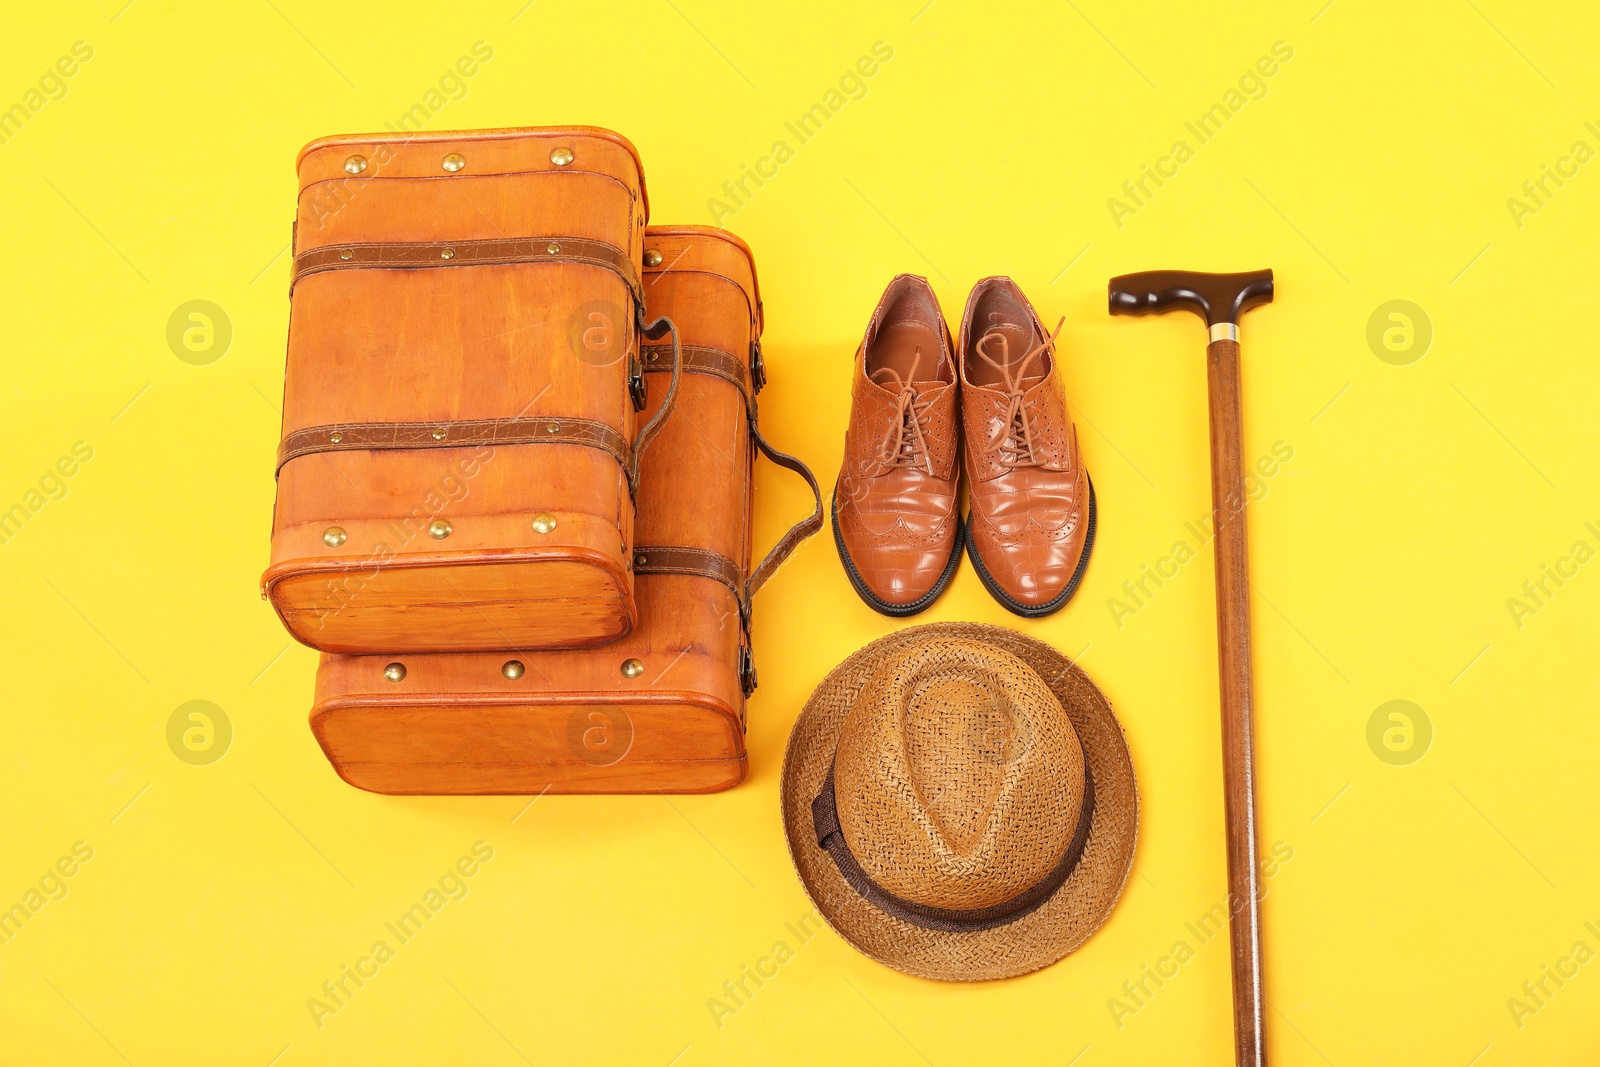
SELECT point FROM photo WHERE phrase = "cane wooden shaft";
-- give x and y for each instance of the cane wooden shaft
(1233, 660)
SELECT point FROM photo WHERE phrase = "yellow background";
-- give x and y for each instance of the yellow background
(1419, 499)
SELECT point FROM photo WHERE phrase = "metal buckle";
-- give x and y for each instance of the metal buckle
(636, 387)
(747, 670)
(758, 367)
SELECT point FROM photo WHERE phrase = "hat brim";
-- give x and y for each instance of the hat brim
(1041, 937)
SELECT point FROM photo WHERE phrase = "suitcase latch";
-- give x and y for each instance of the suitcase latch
(747, 670)
(636, 386)
(758, 367)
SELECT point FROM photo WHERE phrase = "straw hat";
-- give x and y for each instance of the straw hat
(959, 802)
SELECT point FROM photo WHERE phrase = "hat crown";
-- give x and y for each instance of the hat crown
(958, 776)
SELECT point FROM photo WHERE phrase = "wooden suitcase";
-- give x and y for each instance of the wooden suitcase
(662, 709)
(461, 429)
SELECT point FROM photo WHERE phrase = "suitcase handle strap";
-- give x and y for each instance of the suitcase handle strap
(654, 331)
(798, 532)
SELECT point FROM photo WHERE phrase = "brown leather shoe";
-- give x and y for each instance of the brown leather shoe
(1030, 524)
(895, 516)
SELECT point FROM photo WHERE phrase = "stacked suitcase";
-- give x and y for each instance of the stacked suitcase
(514, 488)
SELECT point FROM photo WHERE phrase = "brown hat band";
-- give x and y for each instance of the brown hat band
(825, 820)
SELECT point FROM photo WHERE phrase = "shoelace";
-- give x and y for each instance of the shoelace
(1013, 440)
(906, 442)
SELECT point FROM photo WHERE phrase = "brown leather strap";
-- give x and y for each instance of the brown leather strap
(700, 359)
(387, 436)
(704, 563)
(411, 255)
(714, 361)
(654, 331)
(799, 531)
(699, 562)
(825, 821)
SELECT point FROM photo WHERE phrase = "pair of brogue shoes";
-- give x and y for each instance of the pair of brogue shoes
(994, 400)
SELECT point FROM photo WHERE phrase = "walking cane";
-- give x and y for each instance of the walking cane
(1221, 299)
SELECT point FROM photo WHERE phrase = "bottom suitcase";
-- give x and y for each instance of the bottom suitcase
(662, 709)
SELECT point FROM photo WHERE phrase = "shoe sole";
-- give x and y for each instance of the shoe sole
(1034, 611)
(876, 603)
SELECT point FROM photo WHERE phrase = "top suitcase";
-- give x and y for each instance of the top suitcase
(461, 429)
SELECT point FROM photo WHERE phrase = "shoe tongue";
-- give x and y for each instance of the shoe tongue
(921, 390)
(1019, 340)
(1026, 384)
(907, 350)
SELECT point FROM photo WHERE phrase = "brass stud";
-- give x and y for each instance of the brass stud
(552, 248)
(654, 357)
(454, 162)
(554, 427)
(355, 164)
(632, 668)
(447, 253)
(640, 560)
(512, 669)
(652, 257)
(439, 529)
(346, 254)
(333, 536)
(438, 435)
(395, 672)
(561, 157)
(336, 437)
(544, 522)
